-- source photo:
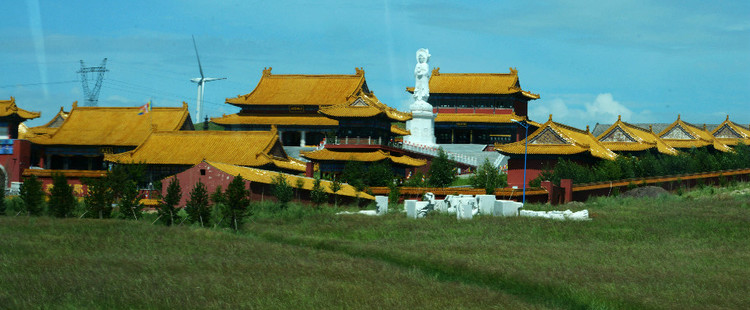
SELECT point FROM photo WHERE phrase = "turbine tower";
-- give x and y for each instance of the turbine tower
(201, 83)
(92, 95)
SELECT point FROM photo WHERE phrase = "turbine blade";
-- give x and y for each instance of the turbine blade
(196, 56)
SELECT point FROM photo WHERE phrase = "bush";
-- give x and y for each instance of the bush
(130, 201)
(335, 187)
(442, 170)
(32, 196)
(99, 198)
(489, 178)
(318, 195)
(281, 189)
(197, 206)
(61, 200)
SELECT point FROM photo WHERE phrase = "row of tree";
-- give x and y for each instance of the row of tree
(695, 160)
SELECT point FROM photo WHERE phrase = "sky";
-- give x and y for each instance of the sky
(590, 61)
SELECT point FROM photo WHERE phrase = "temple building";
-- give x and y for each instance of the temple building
(625, 138)
(47, 129)
(88, 133)
(731, 134)
(11, 116)
(169, 152)
(365, 117)
(684, 136)
(546, 145)
(333, 161)
(291, 102)
(478, 108)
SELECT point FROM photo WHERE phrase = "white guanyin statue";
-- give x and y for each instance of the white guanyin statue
(422, 82)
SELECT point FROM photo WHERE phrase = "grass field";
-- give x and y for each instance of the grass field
(678, 252)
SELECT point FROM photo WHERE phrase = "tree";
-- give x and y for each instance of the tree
(197, 206)
(318, 195)
(300, 185)
(237, 202)
(166, 208)
(442, 170)
(488, 177)
(32, 196)
(217, 197)
(98, 199)
(335, 187)
(61, 200)
(281, 189)
(355, 174)
(379, 174)
(130, 201)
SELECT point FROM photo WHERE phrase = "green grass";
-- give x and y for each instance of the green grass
(678, 252)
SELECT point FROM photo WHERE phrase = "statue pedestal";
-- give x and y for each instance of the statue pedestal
(422, 124)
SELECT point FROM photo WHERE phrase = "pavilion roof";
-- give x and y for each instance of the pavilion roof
(364, 106)
(622, 136)
(9, 108)
(266, 177)
(116, 126)
(443, 117)
(557, 139)
(266, 119)
(47, 129)
(303, 89)
(682, 135)
(244, 148)
(373, 156)
(477, 83)
(399, 131)
(731, 133)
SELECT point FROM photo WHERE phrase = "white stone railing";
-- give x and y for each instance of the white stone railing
(433, 151)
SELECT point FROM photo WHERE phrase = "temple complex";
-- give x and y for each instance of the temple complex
(88, 133)
(291, 102)
(478, 108)
(169, 152)
(625, 138)
(546, 145)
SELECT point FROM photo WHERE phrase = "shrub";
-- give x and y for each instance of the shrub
(61, 200)
(488, 177)
(99, 198)
(32, 196)
(281, 189)
(318, 195)
(130, 201)
(335, 187)
(197, 206)
(442, 170)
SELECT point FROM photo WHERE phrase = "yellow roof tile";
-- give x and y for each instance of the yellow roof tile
(364, 106)
(557, 139)
(476, 83)
(681, 135)
(244, 148)
(9, 107)
(25, 132)
(622, 136)
(730, 133)
(266, 177)
(301, 89)
(118, 126)
(326, 154)
(478, 118)
(265, 119)
(399, 131)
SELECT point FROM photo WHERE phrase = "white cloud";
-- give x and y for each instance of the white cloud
(579, 113)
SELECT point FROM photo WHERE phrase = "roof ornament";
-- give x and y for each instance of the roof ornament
(267, 71)
(436, 71)
(587, 128)
(619, 118)
(678, 117)
(359, 71)
(727, 117)
(704, 126)
(514, 71)
(75, 104)
(184, 105)
(550, 118)
(651, 128)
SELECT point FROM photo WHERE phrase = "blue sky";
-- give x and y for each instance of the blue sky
(589, 60)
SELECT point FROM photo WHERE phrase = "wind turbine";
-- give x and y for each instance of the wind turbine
(201, 83)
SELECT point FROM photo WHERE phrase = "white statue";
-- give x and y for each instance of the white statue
(422, 75)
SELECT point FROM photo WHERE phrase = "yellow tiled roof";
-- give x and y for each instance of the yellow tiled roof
(320, 90)
(25, 132)
(364, 106)
(730, 133)
(326, 154)
(399, 131)
(117, 126)
(9, 107)
(266, 177)
(633, 138)
(557, 139)
(681, 135)
(476, 83)
(477, 118)
(265, 119)
(244, 148)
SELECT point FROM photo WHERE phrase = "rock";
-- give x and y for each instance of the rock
(646, 191)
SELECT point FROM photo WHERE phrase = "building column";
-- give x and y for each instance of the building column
(453, 134)
(302, 136)
(280, 139)
(471, 136)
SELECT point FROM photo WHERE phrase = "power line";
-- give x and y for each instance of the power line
(33, 84)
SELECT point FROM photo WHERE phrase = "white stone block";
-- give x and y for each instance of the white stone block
(506, 208)
(464, 212)
(382, 204)
(410, 206)
(422, 208)
(486, 204)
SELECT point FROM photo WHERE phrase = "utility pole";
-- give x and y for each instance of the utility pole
(92, 95)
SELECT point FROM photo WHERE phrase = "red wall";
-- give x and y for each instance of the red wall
(533, 169)
(15, 163)
(188, 178)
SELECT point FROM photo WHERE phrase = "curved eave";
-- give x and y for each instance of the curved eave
(285, 120)
(399, 131)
